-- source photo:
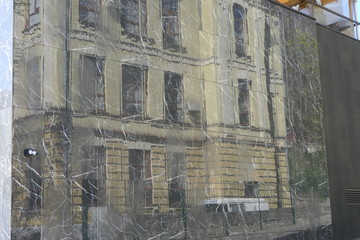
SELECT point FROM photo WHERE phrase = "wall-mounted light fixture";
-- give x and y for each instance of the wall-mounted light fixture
(30, 152)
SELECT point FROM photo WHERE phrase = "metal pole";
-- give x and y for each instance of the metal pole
(333, 12)
(261, 227)
(354, 2)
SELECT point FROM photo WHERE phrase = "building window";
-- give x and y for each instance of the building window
(134, 17)
(35, 184)
(94, 187)
(140, 178)
(134, 80)
(170, 24)
(173, 97)
(88, 12)
(33, 13)
(92, 84)
(176, 179)
(244, 102)
(90, 195)
(251, 189)
(240, 30)
(35, 190)
(33, 70)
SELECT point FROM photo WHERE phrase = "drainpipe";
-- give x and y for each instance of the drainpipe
(355, 17)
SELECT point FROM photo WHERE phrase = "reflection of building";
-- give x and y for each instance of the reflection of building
(340, 15)
(141, 110)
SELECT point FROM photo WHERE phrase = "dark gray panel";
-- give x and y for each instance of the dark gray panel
(340, 77)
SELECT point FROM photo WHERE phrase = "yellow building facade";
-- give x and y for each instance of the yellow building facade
(140, 110)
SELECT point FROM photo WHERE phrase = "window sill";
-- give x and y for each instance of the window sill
(175, 48)
(31, 29)
(245, 57)
(151, 206)
(138, 38)
(98, 113)
(34, 212)
(176, 209)
(89, 25)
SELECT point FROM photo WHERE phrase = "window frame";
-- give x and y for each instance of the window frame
(240, 30)
(91, 8)
(179, 90)
(35, 189)
(32, 14)
(176, 164)
(35, 82)
(141, 14)
(170, 22)
(35, 181)
(145, 174)
(94, 188)
(143, 84)
(99, 106)
(244, 102)
(251, 189)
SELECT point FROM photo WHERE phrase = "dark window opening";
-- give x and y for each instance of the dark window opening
(92, 84)
(140, 178)
(177, 179)
(88, 12)
(35, 184)
(94, 188)
(33, 69)
(170, 24)
(29, 233)
(251, 189)
(173, 97)
(217, 208)
(133, 90)
(33, 13)
(240, 30)
(35, 191)
(134, 17)
(244, 102)
(90, 192)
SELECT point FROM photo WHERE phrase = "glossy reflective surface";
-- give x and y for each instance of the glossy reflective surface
(166, 120)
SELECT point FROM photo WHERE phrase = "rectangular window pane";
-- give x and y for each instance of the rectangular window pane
(251, 189)
(100, 86)
(133, 78)
(101, 174)
(90, 192)
(136, 165)
(243, 102)
(35, 183)
(35, 190)
(33, 69)
(34, 12)
(170, 24)
(94, 186)
(173, 97)
(239, 14)
(92, 84)
(176, 176)
(148, 179)
(130, 16)
(143, 18)
(88, 14)
(140, 178)
(134, 17)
